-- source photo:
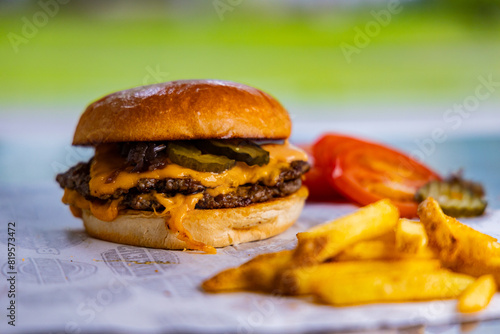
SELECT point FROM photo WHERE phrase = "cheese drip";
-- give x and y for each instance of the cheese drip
(107, 211)
(176, 208)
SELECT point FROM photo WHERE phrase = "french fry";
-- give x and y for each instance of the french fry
(389, 237)
(478, 295)
(458, 245)
(395, 285)
(299, 281)
(368, 250)
(410, 236)
(257, 274)
(480, 268)
(380, 250)
(327, 240)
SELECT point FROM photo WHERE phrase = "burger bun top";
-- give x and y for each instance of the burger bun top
(182, 110)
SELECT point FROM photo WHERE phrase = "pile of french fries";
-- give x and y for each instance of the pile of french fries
(373, 256)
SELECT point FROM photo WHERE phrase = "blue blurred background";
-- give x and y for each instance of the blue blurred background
(394, 71)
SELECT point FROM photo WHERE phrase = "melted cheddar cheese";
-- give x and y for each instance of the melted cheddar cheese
(106, 211)
(107, 162)
(177, 207)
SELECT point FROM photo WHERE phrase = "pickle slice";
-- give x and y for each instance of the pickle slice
(457, 197)
(237, 149)
(187, 155)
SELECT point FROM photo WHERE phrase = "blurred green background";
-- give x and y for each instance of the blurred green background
(59, 55)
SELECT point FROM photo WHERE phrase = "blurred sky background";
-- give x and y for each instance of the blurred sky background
(375, 68)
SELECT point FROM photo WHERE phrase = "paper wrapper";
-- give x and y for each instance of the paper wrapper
(68, 282)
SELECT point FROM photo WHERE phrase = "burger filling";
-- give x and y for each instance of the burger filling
(168, 177)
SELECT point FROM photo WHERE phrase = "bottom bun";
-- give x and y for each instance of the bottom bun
(215, 227)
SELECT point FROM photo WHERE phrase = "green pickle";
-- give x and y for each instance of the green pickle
(189, 156)
(457, 197)
(237, 149)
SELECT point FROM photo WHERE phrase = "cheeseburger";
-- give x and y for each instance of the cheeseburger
(192, 164)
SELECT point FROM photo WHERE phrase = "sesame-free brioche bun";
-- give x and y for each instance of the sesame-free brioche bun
(181, 110)
(214, 227)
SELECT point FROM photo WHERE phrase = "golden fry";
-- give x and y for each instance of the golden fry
(380, 250)
(256, 274)
(410, 236)
(395, 285)
(457, 244)
(480, 268)
(478, 295)
(327, 240)
(368, 250)
(302, 280)
(389, 238)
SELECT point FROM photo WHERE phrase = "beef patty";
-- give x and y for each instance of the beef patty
(138, 198)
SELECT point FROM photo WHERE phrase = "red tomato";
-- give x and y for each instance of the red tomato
(328, 146)
(316, 181)
(325, 152)
(319, 188)
(368, 173)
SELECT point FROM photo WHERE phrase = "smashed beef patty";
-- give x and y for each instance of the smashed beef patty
(138, 198)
